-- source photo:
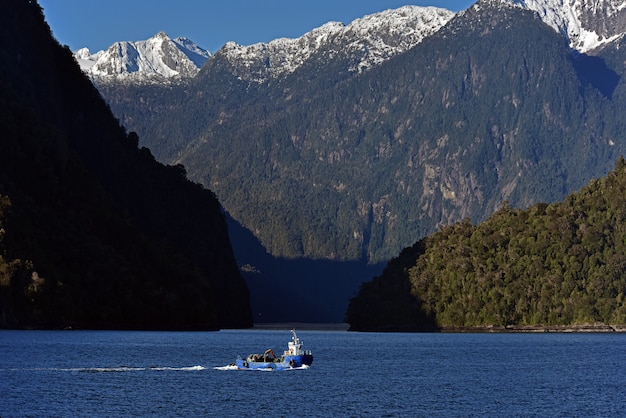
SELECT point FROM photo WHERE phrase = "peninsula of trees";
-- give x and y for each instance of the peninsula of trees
(558, 264)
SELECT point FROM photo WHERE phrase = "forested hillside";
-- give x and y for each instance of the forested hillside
(94, 233)
(552, 264)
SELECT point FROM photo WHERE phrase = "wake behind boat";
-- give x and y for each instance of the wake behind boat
(292, 358)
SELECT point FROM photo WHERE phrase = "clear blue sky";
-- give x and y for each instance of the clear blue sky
(96, 24)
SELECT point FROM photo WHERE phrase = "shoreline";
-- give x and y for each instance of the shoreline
(576, 328)
(301, 326)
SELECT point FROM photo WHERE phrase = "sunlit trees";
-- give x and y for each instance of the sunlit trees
(557, 264)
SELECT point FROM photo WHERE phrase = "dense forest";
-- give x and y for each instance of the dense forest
(94, 232)
(552, 264)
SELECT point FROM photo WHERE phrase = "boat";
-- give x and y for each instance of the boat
(292, 358)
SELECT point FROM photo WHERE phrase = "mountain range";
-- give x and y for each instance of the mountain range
(354, 141)
(366, 41)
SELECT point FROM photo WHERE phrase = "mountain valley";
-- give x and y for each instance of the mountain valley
(338, 148)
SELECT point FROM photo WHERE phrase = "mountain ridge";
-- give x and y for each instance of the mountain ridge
(369, 41)
(373, 38)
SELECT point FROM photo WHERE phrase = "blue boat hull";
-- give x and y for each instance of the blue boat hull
(294, 357)
(284, 363)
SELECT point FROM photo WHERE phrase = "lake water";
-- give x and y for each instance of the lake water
(111, 373)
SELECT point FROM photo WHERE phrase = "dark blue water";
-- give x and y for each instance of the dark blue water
(95, 373)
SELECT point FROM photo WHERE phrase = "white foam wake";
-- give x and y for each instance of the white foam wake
(234, 367)
(229, 367)
(117, 369)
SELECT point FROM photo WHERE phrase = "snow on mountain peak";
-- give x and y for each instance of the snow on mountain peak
(154, 59)
(394, 31)
(586, 24)
(367, 41)
(370, 39)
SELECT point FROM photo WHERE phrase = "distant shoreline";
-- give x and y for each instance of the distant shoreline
(302, 326)
(577, 328)
(598, 327)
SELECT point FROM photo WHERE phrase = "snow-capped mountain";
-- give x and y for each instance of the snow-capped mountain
(368, 41)
(586, 24)
(154, 59)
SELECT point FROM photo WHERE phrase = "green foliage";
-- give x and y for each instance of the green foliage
(557, 264)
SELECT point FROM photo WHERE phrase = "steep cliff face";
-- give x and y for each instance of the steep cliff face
(94, 232)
